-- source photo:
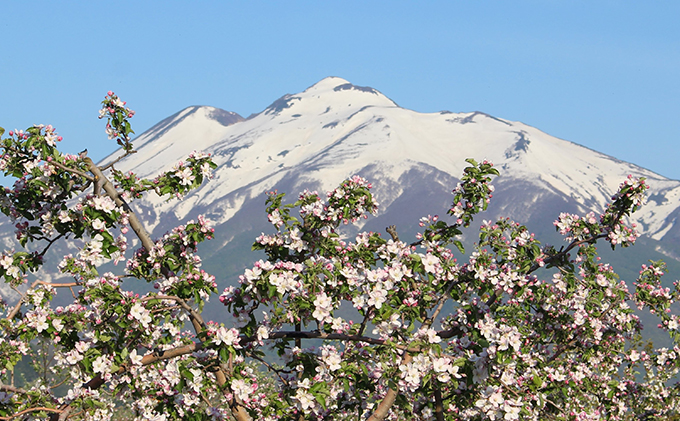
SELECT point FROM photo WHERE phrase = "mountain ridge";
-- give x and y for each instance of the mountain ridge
(336, 128)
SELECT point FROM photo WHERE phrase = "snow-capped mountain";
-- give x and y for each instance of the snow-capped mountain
(335, 129)
(317, 138)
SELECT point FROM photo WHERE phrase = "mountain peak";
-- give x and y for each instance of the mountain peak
(333, 92)
(337, 84)
(175, 137)
(334, 129)
(328, 83)
(225, 118)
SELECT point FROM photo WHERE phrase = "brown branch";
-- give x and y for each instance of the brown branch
(73, 293)
(364, 322)
(130, 152)
(196, 318)
(66, 285)
(148, 359)
(49, 243)
(237, 409)
(392, 231)
(298, 339)
(12, 314)
(110, 190)
(60, 383)
(12, 389)
(438, 405)
(29, 410)
(391, 395)
(72, 170)
(564, 252)
(450, 333)
(440, 304)
(65, 415)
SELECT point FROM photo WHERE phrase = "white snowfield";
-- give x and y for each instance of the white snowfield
(334, 129)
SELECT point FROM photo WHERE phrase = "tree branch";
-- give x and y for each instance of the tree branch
(29, 410)
(106, 167)
(237, 409)
(135, 224)
(438, 405)
(196, 318)
(12, 389)
(12, 314)
(391, 395)
(72, 170)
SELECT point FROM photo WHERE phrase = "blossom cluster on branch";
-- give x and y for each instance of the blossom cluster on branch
(325, 326)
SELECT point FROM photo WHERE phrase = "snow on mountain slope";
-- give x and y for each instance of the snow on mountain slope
(332, 130)
(193, 128)
(335, 129)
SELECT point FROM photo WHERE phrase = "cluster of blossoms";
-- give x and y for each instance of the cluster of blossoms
(172, 264)
(574, 227)
(493, 342)
(221, 335)
(117, 115)
(183, 177)
(185, 174)
(610, 224)
(107, 333)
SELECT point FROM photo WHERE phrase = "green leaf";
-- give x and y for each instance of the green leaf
(224, 354)
(537, 381)
(321, 399)
(186, 373)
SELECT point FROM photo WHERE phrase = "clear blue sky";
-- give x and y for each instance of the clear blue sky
(604, 74)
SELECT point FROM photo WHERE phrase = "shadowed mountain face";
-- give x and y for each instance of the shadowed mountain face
(317, 138)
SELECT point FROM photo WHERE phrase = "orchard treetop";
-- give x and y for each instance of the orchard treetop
(515, 330)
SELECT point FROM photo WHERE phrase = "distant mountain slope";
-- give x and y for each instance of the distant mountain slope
(335, 129)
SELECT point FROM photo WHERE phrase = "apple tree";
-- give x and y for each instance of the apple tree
(326, 326)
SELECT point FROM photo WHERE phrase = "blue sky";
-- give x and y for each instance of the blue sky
(604, 74)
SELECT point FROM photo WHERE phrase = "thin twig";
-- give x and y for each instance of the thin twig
(196, 318)
(127, 153)
(72, 170)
